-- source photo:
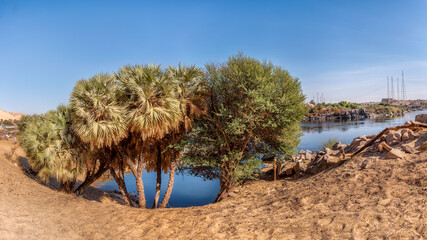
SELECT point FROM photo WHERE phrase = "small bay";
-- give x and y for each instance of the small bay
(194, 191)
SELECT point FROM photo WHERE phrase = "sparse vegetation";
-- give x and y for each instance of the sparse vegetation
(328, 144)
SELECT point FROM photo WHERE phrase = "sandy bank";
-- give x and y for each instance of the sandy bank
(387, 199)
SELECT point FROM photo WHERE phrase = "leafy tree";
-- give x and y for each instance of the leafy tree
(254, 109)
(7, 123)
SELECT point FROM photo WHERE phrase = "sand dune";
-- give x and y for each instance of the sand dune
(13, 116)
(385, 200)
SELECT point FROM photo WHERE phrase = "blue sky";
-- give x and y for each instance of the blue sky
(345, 49)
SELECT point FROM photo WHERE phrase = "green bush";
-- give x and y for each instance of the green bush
(328, 144)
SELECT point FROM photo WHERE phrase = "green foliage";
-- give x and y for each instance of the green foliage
(51, 146)
(384, 108)
(328, 144)
(7, 123)
(254, 108)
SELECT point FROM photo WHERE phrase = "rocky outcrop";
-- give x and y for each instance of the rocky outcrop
(392, 145)
(353, 114)
(421, 118)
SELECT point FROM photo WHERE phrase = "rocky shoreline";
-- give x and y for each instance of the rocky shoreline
(405, 140)
(345, 111)
(349, 115)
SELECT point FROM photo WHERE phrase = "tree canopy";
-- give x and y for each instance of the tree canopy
(254, 109)
(219, 122)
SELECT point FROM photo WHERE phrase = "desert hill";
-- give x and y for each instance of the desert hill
(10, 116)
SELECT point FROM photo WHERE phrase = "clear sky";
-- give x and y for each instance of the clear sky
(345, 49)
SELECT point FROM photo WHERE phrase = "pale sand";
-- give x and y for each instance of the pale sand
(10, 116)
(387, 200)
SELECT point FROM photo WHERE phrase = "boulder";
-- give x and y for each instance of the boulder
(411, 134)
(405, 137)
(337, 146)
(356, 144)
(394, 154)
(322, 159)
(383, 146)
(308, 155)
(408, 149)
(393, 137)
(421, 118)
(363, 138)
(332, 160)
(371, 136)
(422, 146)
(290, 169)
(332, 152)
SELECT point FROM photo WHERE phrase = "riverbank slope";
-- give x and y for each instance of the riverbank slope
(385, 199)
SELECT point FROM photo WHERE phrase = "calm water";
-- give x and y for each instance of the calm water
(345, 131)
(193, 191)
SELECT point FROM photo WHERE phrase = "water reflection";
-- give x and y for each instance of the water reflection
(346, 131)
(194, 191)
(188, 190)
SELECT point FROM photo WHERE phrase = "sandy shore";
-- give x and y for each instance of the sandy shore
(386, 200)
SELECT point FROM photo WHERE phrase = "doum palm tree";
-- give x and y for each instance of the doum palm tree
(52, 148)
(191, 95)
(149, 94)
(101, 121)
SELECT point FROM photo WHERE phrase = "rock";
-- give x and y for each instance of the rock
(371, 136)
(422, 147)
(290, 169)
(333, 160)
(394, 153)
(421, 118)
(408, 149)
(405, 137)
(308, 155)
(411, 134)
(393, 138)
(323, 160)
(383, 146)
(363, 138)
(356, 144)
(337, 146)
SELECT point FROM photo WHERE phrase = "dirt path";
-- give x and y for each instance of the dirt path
(387, 200)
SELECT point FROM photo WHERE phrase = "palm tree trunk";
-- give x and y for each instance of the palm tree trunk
(140, 189)
(90, 178)
(171, 182)
(137, 169)
(159, 177)
(122, 186)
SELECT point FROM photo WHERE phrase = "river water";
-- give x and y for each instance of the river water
(194, 191)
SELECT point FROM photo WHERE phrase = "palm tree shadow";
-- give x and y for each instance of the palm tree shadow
(91, 193)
